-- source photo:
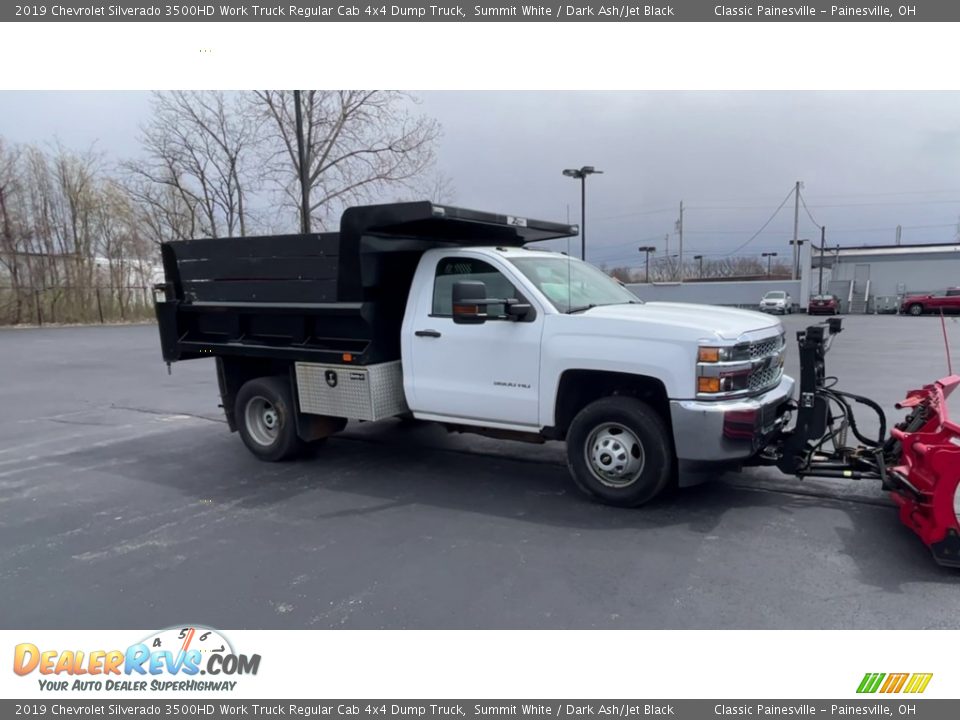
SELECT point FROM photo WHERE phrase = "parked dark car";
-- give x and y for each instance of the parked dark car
(947, 301)
(824, 305)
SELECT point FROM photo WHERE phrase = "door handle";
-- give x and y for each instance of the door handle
(427, 333)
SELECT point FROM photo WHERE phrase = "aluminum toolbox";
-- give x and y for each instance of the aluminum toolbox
(369, 392)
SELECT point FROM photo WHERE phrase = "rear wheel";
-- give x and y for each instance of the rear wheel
(266, 419)
(618, 451)
(915, 309)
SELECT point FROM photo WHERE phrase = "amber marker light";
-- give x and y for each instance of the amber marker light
(708, 384)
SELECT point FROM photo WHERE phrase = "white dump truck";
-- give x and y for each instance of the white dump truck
(448, 315)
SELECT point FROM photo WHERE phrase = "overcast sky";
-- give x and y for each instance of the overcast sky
(869, 161)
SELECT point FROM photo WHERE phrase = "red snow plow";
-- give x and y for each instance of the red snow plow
(927, 478)
(918, 463)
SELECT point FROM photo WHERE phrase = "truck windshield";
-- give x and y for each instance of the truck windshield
(572, 285)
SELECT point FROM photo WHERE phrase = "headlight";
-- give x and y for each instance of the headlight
(714, 354)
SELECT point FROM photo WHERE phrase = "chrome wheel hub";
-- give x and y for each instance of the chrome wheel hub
(262, 421)
(614, 455)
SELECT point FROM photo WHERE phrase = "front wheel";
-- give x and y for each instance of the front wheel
(266, 419)
(915, 310)
(618, 451)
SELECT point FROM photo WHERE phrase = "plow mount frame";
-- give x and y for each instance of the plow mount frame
(918, 463)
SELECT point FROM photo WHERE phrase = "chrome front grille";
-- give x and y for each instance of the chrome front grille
(763, 348)
(767, 355)
(763, 379)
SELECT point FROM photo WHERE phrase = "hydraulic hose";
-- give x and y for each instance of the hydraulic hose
(841, 396)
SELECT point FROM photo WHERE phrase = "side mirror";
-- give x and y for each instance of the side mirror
(519, 310)
(468, 298)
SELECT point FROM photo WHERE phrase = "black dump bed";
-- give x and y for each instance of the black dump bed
(316, 297)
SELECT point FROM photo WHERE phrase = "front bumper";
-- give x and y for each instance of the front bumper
(728, 430)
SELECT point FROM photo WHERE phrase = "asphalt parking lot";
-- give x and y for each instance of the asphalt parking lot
(126, 503)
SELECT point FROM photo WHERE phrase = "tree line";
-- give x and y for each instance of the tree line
(79, 230)
(668, 269)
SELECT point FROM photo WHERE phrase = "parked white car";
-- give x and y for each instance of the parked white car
(777, 301)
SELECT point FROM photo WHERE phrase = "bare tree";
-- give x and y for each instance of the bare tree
(356, 144)
(11, 231)
(199, 167)
(437, 187)
(162, 211)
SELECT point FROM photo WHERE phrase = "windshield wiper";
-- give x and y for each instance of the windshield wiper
(583, 308)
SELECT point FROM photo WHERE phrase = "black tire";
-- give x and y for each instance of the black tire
(266, 419)
(916, 309)
(598, 423)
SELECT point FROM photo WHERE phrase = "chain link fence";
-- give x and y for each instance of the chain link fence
(75, 304)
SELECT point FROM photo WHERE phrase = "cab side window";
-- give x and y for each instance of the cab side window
(455, 269)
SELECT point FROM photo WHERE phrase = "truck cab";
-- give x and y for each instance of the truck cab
(447, 315)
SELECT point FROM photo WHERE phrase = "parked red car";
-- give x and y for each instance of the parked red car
(823, 304)
(946, 300)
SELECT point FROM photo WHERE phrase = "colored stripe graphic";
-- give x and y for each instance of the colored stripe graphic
(895, 682)
(918, 682)
(870, 682)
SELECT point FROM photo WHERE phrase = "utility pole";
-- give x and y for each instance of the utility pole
(899, 233)
(796, 229)
(680, 232)
(304, 190)
(823, 239)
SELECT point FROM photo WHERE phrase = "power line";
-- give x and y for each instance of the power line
(651, 238)
(728, 232)
(809, 214)
(764, 226)
(893, 202)
(891, 228)
(635, 214)
(719, 204)
(887, 194)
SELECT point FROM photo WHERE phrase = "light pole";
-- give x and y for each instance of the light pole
(581, 175)
(646, 250)
(823, 240)
(768, 256)
(302, 167)
(699, 258)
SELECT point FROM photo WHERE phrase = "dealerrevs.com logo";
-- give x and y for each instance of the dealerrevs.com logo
(172, 659)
